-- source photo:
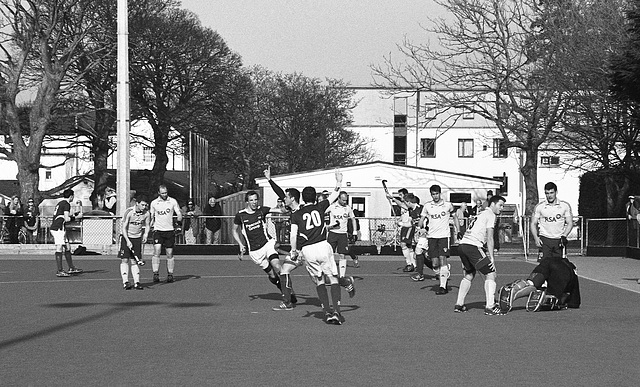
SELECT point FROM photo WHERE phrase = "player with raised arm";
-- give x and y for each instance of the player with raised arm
(407, 229)
(475, 258)
(250, 232)
(551, 223)
(340, 213)
(308, 234)
(162, 211)
(62, 215)
(291, 199)
(439, 212)
(135, 230)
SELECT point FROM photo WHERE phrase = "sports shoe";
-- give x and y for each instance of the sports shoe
(408, 269)
(337, 318)
(356, 263)
(62, 273)
(137, 286)
(156, 277)
(535, 300)
(351, 288)
(127, 285)
(169, 278)
(493, 311)
(283, 306)
(328, 317)
(417, 277)
(294, 299)
(460, 308)
(74, 270)
(442, 291)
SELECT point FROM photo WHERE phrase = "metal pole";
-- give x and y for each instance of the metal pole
(123, 170)
(417, 126)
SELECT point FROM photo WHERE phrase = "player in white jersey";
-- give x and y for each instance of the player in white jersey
(551, 223)
(475, 258)
(438, 212)
(135, 230)
(162, 210)
(340, 213)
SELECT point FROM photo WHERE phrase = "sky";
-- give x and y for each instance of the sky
(337, 39)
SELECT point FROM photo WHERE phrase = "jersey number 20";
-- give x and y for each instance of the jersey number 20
(313, 219)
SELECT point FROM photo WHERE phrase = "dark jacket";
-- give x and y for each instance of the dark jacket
(213, 224)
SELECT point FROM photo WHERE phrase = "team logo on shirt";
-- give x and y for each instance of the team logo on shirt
(556, 218)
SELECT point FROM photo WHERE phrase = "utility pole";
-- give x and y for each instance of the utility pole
(123, 183)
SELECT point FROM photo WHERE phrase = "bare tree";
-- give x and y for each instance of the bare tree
(492, 58)
(39, 41)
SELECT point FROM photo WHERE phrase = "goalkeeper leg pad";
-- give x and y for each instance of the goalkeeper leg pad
(510, 292)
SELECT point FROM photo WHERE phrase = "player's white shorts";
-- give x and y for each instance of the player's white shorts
(261, 256)
(59, 237)
(422, 244)
(319, 259)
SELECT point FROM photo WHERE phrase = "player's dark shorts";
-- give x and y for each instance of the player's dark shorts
(561, 278)
(125, 252)
(551, 248)
(406, 235)
(474, 259)
(164, 238)
(339, 242)
(438, 247)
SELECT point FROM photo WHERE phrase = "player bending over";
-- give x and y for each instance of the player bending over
(475, 259)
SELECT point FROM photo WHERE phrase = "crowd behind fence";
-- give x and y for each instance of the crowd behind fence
(512, 233)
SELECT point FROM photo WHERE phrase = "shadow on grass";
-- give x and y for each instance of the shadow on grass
(115, 309)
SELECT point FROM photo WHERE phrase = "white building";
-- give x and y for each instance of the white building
(467, 145)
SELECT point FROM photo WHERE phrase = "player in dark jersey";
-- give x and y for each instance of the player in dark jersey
(251, 234)
(308, 234)
(62, 215)
(291, 199)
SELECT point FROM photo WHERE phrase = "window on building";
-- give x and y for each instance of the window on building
(147, 154)
(499, 149)
(550, 160)
(358, 205)
(465, 147)
(47, 174)
(400, 150)
(459, 197)
(427, 147)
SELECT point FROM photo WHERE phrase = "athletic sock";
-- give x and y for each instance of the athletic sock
(124, 271)
(420, 263)
(58, 256)
(444, 276)
(335, 297)
(465, 285)
(342, 266)
(490, 292)
(171, 264)
(286, 289)
(155, 263)
(323, 296)
(412, 257)
(67, 256)
(407, 255)
(135, 272)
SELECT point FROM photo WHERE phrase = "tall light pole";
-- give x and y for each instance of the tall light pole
(123, 171)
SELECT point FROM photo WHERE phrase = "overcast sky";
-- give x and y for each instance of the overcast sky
(322, 38)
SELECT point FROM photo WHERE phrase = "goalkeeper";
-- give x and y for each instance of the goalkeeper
(551, 223)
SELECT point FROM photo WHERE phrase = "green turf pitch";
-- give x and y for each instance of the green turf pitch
(214, 326)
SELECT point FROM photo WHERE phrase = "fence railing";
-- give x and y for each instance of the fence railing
(512, 234)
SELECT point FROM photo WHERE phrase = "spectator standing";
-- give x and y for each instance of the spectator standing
(477, 209)
(278, 217)
(31, 221)
(463, 215)
(191, 223)
(110, 200)
(14, 218)
(213, 222)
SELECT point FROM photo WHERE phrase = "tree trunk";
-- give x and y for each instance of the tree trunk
(530, 176)
(160, 164)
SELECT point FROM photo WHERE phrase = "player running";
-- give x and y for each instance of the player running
(162, 210)
(474, 257)
(551, 223)
(340, 213)
(439, 212)
(251, 234)
(308, 235)
(135, 230)
(62, 215)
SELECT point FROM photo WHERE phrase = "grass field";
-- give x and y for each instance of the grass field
(215, 326)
